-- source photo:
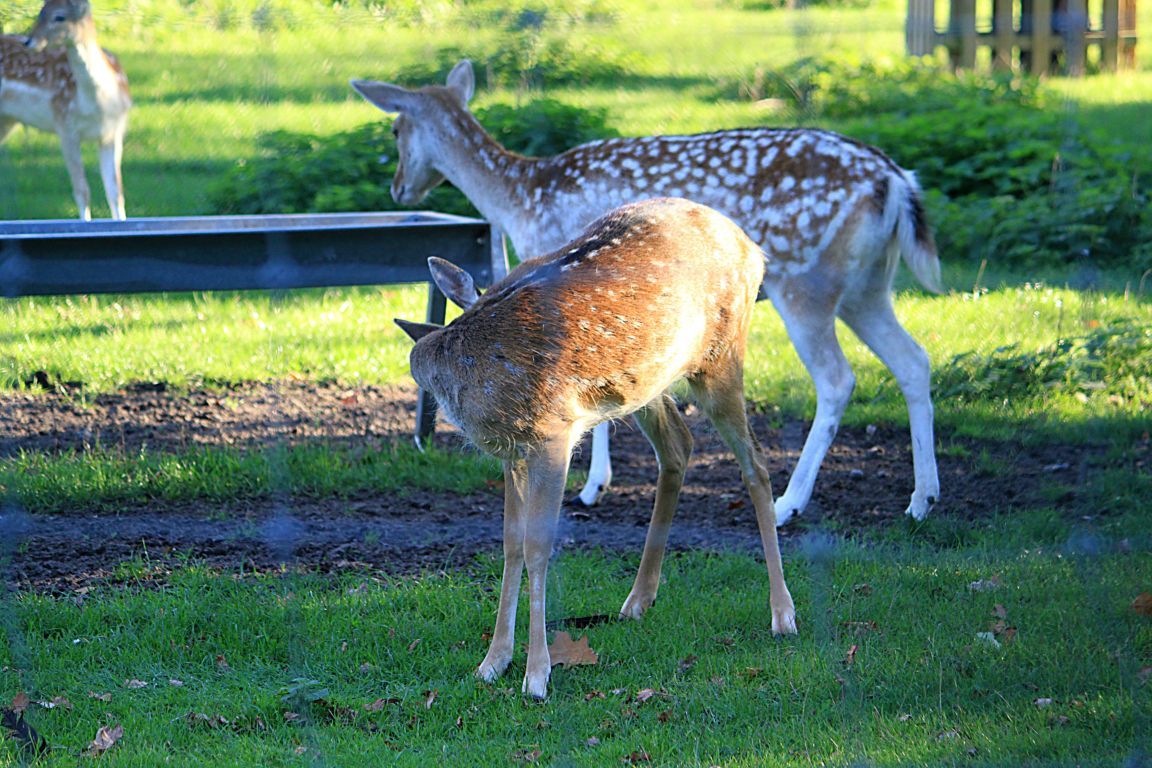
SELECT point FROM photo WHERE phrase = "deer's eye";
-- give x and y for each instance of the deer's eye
(59, 17)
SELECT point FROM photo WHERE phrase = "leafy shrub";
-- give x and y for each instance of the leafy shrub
(351, 171)
(1112, 361)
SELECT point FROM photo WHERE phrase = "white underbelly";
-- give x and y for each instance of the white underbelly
(28, 104)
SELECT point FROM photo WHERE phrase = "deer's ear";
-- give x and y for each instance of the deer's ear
(416, 331)
(453, 282)
(462, 81)
(389, 98)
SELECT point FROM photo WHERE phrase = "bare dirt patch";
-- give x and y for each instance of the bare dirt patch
(866, 480)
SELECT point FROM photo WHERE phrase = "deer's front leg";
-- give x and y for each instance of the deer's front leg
(547, 469)
(500, 650)
(110, 156)
(70, 144)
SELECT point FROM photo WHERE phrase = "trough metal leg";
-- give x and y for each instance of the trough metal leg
(425, 403)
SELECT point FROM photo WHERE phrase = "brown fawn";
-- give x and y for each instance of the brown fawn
(651, 293)
(834, 216)
(60, 80)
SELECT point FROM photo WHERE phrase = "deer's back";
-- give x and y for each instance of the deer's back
(792, 190)
(650, 293)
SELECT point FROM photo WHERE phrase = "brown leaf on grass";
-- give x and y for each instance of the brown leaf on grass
(196, 719)
(734, 505)
(105, 697)
(1042, 702)
(571, 653)
(106, 738)
(862, 589)
(20, 702)
(664, 716)
(526, 755)
(412, 645)
(174, 682)
(687, 663)
(850, 659)
(54, 702)
(135, 684)
(644, 694)
(999, 611)
(222, 663)
(725, 640)
(430, 698)
(639, 756)
(594, 695)
(379, 704)
(751, 672)
(1143, 604)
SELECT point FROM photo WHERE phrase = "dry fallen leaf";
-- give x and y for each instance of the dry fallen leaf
(526, 755)
(221, 663)
(20, 702)
(412, 645)
(174, 682)
(999, 611)
(429, 698)
(644, 694)
(1043, 702)
(664, 716)
(106, 738)
(1143, 604)
(571, 653)
(56, 701)
(687, 663)
(105, 697)
(379, 704)
(639, 756)
(135, 684)
(850, 659)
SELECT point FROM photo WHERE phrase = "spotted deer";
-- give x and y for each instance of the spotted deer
(653, 292)
(59, 79)
(834, 217)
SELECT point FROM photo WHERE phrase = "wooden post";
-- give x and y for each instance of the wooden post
(1074, 25)
(1042, 36)
(920, 28)
(962, 31)
(1128, 34)
(1003, 33)
(1110, 46)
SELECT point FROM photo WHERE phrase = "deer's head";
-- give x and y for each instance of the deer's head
(416, 126)
(58, 22)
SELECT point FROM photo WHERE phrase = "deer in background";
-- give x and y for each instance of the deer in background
(834, 217)
(77, 91)
(651, 293)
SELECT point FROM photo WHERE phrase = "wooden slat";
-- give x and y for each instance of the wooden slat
(1003, 32)
(1042, 38)
(1110, 47)
(920, 27)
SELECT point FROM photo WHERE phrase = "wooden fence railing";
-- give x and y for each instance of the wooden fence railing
(1037, 36)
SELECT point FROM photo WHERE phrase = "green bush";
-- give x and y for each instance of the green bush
(352, 171)
(1113, 361)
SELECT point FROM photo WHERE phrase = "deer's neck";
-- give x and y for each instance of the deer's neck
(495, 180)
(95, 77)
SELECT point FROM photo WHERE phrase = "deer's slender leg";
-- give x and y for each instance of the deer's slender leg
(722, 397)
(110, 157)
(813, 334)
(871, 317)
(600, 468)
(501, 647)
(662, 424)
(73, 159)
(547, 465)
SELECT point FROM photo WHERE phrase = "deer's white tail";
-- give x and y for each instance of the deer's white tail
(905, 210)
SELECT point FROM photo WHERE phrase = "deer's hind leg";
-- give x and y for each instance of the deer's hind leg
(665, 429)
(721, 395)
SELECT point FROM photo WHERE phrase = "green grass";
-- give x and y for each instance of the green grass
(921, 688)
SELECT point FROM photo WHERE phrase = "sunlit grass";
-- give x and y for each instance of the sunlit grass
(888, 669)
